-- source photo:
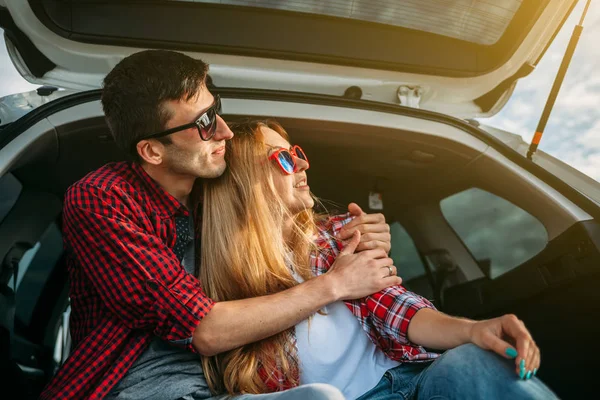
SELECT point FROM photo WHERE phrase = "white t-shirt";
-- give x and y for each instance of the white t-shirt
(335, 349)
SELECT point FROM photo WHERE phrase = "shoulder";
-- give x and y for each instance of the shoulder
(108, 176)
(114, 181)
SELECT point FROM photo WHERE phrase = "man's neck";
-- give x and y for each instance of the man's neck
(177, 185)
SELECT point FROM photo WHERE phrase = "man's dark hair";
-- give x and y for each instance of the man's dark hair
(135, 91)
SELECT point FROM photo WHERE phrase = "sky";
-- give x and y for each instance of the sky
(573, 131)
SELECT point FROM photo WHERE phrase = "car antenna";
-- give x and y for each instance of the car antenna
(560, 76)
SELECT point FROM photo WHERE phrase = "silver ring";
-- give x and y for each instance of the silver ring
(391, 270)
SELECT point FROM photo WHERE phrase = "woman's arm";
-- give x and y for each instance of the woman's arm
(431, 328)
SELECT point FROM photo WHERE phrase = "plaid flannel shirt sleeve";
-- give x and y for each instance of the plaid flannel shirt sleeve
(390, 310)
(137, 276)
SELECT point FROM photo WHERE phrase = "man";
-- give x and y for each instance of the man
(139, 316)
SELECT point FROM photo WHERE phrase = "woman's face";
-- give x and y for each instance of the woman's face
(292, 189)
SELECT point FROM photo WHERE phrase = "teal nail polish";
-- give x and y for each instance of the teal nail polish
(534, 371)
(512, 353)
(522, 365)
(528, 375)
(522, 373)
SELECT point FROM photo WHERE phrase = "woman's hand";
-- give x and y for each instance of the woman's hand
(497, 334)
(375, 233)
(356, 275)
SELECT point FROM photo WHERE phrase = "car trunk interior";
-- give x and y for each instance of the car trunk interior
(347, 161)
(411, 170)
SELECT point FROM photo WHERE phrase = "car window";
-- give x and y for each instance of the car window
(500, 235)
(10, 189)
(408, 262)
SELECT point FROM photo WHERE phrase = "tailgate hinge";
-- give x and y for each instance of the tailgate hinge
(410, 96)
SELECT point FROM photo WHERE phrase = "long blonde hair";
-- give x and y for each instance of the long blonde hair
(244, 255)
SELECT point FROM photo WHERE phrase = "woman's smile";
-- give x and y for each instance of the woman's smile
(302, 184)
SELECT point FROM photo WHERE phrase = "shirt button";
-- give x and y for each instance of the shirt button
(152, 286)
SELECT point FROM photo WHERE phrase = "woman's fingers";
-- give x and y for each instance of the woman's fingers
(374, 244)
(538, 361)
(498, 345)
(351, 245)
(515, 328)
(389, 270)
(534, 356)
(375, 253)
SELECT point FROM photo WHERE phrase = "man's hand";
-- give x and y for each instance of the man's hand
(492, 335)
(375, 233)
(359, 275)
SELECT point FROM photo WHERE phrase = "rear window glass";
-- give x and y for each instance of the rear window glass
(477, 21)
(500, 235)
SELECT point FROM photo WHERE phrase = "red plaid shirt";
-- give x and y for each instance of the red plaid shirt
(127, 285)
(383, 315)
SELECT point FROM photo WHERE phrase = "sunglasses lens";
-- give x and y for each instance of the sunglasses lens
(287, 162)
(208, 121)
(300, 153)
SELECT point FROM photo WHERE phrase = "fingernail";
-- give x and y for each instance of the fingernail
(528, 375)
(522, 365)
(522, 373)
(534, 371)
(512, 353)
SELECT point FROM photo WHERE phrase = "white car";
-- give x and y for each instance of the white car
(381, 95)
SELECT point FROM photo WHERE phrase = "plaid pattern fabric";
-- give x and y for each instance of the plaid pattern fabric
(127, 284)
(383, 315)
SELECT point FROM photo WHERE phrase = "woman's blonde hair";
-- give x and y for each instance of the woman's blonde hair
(244, 255)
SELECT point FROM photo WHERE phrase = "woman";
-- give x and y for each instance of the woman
(259, 238)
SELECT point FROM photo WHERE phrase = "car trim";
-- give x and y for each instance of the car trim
(16, 128)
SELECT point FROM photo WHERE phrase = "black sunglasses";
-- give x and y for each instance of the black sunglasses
(206, 123)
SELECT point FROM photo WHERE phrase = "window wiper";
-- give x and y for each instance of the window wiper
(560, 76)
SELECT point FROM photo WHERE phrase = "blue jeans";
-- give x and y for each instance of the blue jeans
(465, 372)
(313, 391)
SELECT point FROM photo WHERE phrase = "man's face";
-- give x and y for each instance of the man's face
(188, 154)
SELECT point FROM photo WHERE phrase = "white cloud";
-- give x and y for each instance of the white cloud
(573, 130)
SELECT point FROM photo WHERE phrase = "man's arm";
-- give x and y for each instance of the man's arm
(431, 328)
(136, 275)
(143, 283)
(231, 324)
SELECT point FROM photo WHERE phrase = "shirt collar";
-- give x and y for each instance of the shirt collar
(166, 204)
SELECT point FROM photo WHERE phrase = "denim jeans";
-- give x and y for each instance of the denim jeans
(314, 391)
(465, 372)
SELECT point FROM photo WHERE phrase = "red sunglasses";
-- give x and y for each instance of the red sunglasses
(285, 158)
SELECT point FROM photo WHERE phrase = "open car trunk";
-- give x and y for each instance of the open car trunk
(461, 58)
(445, 187)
